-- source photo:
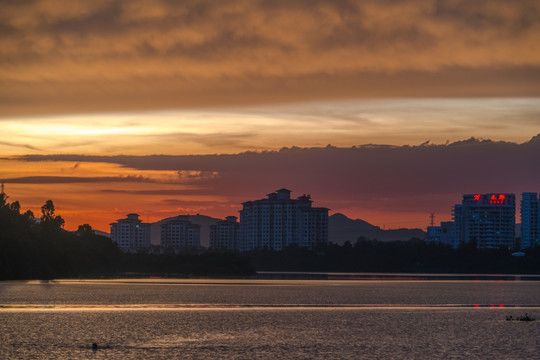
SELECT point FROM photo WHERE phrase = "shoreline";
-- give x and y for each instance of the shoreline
(285, 275)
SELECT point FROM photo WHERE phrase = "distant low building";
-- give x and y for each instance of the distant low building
(180, 234)
(279, 221)
(224, 234)
(131, 234)
(443, 234)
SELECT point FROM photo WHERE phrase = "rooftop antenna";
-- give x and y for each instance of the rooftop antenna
(432, 217)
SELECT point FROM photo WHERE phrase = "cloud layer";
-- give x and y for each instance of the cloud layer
(103, 55)
(233, 130)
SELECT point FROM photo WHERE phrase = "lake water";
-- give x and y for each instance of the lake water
(269, 319)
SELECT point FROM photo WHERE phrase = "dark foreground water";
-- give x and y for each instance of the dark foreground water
(266, 319)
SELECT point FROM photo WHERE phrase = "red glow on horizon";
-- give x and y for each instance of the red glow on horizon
(476, 305)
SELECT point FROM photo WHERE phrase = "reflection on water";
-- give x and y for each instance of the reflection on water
(240, 307)
(268, 319)
(282, 275)
(263, 334)
(268, 292)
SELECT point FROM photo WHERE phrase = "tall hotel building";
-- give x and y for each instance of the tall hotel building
(224, 234)
(179, 233)
(530, 220)
(488, 219)
(131, 234)
(279, 221)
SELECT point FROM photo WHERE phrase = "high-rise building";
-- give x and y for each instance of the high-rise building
(530, 220)
(131, 234)
(224, 234)
(279, 221)
(179, 233)
(487, 219)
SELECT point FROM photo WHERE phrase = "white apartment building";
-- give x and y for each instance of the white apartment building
(180, 233)
(279, 221)
(131, 234)
(224, 234)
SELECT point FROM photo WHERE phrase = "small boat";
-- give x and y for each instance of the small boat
(525, 317)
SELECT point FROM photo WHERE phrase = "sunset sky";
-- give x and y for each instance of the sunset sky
(165, 108)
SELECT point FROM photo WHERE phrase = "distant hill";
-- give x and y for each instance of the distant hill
(342, 229)
(202, 220)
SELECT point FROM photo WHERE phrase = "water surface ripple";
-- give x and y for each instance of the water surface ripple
(268, 319)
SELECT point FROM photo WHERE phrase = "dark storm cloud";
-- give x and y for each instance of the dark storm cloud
(208, 139)
(153, 192)
(78, 56)
(74, 179)
(26, 146)
(180, 202)
(371, 176)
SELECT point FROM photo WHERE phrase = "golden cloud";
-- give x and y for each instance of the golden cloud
(83, 55)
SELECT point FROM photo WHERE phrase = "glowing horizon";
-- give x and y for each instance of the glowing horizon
(233, 130)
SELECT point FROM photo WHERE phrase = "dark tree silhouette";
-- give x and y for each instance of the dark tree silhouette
(49, 219)
(44, 250)
(84, 229)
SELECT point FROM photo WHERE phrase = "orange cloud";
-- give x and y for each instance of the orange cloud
(108, 55)
(231, 130)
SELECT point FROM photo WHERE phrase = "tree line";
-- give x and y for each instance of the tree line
(39, 248)
(412, 256)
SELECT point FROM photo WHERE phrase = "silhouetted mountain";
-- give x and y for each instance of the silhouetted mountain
(342, 229)
(534, 139)
(202, 220)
